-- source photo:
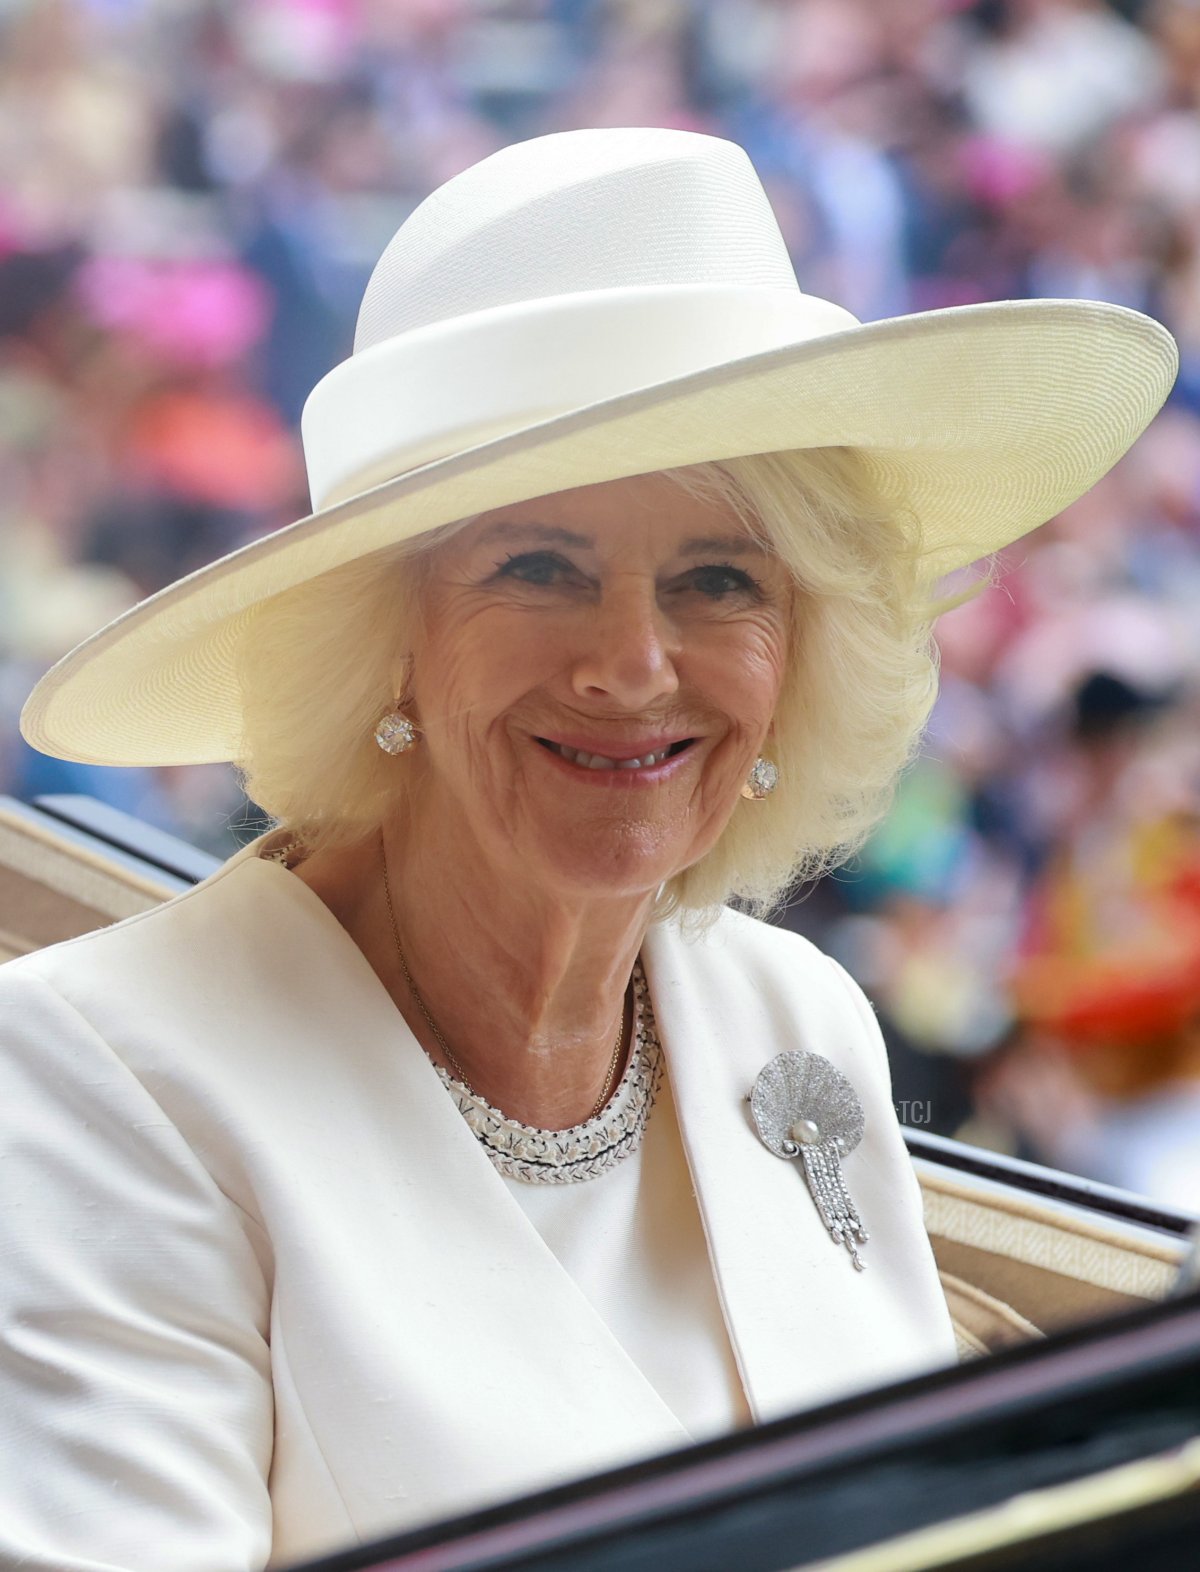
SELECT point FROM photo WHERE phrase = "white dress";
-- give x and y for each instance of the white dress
(633, 1242)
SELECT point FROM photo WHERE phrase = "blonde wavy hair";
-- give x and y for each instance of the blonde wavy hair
(859, 687)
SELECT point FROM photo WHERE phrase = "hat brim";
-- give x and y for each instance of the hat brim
(984, 421)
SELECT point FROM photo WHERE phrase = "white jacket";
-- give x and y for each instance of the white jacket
(263, 1295)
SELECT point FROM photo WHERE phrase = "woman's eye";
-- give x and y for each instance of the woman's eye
(718, 580)
(537, 567)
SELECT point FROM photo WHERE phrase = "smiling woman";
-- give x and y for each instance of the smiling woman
(855, 683)
(457, 1137)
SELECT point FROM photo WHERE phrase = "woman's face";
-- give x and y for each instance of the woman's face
(596, 673)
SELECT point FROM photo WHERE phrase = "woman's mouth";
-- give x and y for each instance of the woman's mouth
(605, 761)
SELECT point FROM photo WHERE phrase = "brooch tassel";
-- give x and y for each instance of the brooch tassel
(803, 1107)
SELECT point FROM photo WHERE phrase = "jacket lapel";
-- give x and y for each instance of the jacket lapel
(543, 1348)
(805, 1326)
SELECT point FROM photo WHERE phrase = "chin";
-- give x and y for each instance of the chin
(602, 864)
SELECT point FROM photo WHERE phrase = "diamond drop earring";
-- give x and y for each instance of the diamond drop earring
(395, 733)
(761, 781)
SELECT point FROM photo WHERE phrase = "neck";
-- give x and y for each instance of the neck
(526, 986)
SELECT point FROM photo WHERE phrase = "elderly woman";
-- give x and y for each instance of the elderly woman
(458, 1137)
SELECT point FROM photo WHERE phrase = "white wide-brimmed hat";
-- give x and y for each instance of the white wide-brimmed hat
(598, 304)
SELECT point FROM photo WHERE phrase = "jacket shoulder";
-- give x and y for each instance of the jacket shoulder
(766, 950)
(752, 936)
(134, 940)
(777, 984)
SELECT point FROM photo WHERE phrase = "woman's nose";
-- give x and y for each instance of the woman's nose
(628, 653)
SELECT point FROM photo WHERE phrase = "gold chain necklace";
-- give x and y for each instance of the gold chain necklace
(610, 1075)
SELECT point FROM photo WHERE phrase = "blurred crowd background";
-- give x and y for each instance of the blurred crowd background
(192, 193)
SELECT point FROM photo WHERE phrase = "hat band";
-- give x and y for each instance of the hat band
(439, 390)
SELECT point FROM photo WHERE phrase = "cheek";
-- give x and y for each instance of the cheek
(445, 660)
(748, 673)
(469, 668)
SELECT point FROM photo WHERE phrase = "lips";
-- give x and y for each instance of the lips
(604, 761)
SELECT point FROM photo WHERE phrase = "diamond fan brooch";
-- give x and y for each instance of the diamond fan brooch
(804, 1108)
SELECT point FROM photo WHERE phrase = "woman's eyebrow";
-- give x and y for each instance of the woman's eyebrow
(548, 534)
(727, 545)
(739, 545)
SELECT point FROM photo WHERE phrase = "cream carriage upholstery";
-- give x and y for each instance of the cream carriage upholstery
(56, 883)
(1015, 1265)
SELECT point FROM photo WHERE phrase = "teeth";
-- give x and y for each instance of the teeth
(600, 761)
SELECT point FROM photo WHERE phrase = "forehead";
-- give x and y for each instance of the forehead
(617, 512)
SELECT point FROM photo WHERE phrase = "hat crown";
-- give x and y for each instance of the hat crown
(573, 212)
